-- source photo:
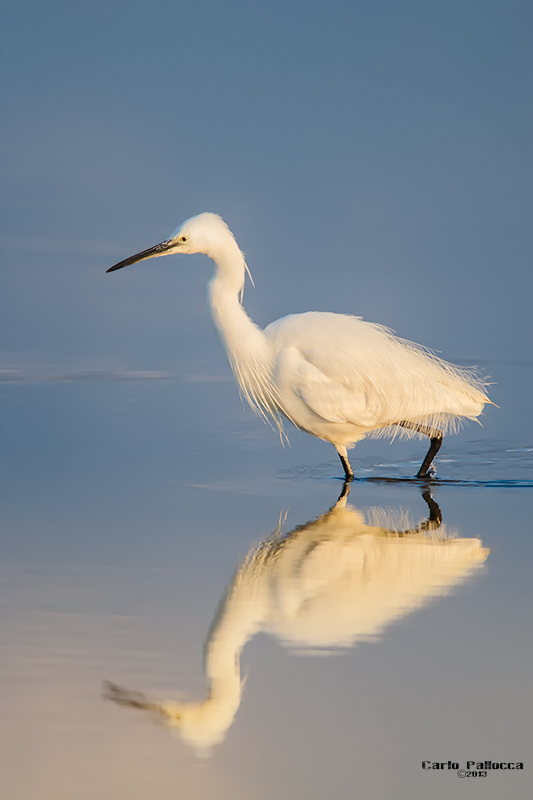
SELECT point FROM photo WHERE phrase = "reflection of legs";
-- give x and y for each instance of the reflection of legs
(343, 455)
(434, 520)
(344, 494)
(435, 516)
(436, 440)
(432, 523)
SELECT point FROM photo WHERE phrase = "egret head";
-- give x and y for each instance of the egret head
(206, 233)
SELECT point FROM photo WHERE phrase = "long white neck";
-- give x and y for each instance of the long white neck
(236, 329)
(248, 348)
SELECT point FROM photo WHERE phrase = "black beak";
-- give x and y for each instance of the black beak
(157, 250)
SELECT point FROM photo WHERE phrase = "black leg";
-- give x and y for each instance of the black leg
(434, 447)
(436, 440)
(348, 471)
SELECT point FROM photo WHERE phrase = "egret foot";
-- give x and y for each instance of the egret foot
(426, 470)
(348, 471)
(435, 435)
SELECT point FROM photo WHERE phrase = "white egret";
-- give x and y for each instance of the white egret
(332, 375)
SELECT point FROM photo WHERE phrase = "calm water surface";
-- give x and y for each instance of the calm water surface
(189, 612)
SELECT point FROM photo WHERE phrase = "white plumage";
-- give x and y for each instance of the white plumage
(332, 375)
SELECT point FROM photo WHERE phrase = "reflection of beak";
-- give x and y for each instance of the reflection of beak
(158, 250)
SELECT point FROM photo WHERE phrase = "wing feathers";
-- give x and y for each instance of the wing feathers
(347, 370)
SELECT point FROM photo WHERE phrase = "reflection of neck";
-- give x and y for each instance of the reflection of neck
(239, 616)
(222, 702)
(204, 724)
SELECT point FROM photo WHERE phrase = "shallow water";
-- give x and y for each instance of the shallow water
(346, 643)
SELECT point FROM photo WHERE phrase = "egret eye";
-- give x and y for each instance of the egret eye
(184, 239)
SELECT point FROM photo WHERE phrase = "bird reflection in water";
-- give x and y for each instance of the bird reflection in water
(328, 584)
